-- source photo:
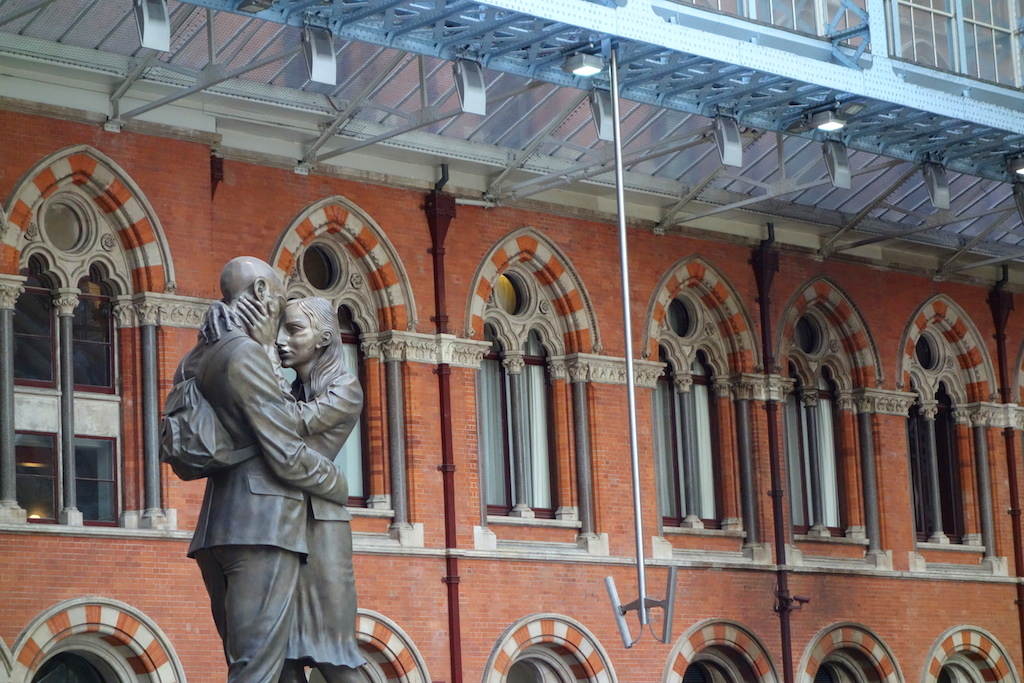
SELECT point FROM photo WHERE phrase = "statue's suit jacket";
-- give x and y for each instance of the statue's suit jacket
(263, 500)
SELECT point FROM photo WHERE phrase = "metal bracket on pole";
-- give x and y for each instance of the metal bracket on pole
(667, 606)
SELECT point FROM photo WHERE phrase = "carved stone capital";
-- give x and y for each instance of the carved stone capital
(683, 383)
(557, 368)
(845, 401)
(124, 313)
(984, 414)
(166, 310)
(589, 367)
(462, 353)
(929, 409)
(809, 397)
(722, 388)
(10, 289)
(65, 301)
(751, 386)
(883, 401)
(513, 362)
(414, 347)
(371, 348)
(777, 388)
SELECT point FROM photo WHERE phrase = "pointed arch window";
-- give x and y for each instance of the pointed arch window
(92, 336)
(34, 338)
(514, 399)
(354, 455)
(685, 447)
(934, 468)
(814, 475)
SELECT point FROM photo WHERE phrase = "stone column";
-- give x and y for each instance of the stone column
(928, 411)
(65, 301)
(743, 392)
(10, 511)
(980, 421)
(578, 375)
(868, 475)
(153, 516)
(684, 387)
(393, 389)
(813, 484)
(513, 364)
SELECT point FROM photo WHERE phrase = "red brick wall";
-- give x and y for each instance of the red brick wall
(251, 209)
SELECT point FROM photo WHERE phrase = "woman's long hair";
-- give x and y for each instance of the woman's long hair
(331, 364)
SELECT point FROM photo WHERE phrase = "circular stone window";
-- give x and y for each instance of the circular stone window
(64, 226)
(681, 318)
(807, 335)
(320, 267)
(509, 294)
(924, 350)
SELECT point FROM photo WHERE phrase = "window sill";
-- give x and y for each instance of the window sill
(501, 520)
(952, 547)
(687, 531)
(373, 513)
(93, 531)
(835, 540)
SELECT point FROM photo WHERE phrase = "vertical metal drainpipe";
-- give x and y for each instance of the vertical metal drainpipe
(440, 210)
(1001, 303)
(765, 261)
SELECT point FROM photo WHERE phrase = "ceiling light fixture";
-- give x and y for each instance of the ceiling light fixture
(254, 6)
(838, 163)
(318, 50)
(583, 64)
(827, 121)
(469, 83)
(936, 183)
(154, 24)
(727, 139)
(601, 110)
(1015, 165)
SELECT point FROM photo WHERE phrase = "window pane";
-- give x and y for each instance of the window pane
(794, 460)
(350, 457)
(33, 337)
(828, 488)
(492, 433)
(668, 481)
(35, 458)
(535, 420)
(95, 480)
(704, 460)
(91, 342)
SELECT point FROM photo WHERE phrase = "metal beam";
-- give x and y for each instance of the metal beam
(943, 269)
(353, 108)
(38, 5)
(422, 118)
(828, 248)
(987, 262)
(537, 141)
(206, 83)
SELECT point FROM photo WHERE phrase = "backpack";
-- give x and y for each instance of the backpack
(192, 439)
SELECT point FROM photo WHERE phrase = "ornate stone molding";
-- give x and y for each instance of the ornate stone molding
(929, 409)
(809, 397)
(513, 362)
(414, 347)
(10, 289)
(165, 310)
(984, 414)
(883, 401)
(754, 387)
(557, 368)
(66, 301)
(589, 367)
(683, 383)
(845, 401)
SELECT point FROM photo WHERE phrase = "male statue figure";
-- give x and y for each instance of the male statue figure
(251, 534)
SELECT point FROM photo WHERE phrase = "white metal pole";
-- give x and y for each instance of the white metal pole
(628, 331)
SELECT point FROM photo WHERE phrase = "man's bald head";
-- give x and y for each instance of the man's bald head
(249, 275)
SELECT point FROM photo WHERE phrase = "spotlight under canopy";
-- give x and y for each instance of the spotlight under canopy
(838, 163)
(154, 24)
(727, 139)
(583, 64)
(470, 85)
(827, 121)
(318, 50)
(254, 6)
(1015, 165)
(1018, 198)
(936, 183)
(601, 110)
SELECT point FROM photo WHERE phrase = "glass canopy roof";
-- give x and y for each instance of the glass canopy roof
(396, 94)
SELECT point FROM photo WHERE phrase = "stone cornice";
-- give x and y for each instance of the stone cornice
(589, 367)
(754, 387)
(434, 349)
(985, 414)
(883, 401)
(165, 310)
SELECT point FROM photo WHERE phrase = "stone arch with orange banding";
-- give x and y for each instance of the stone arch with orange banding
(856, 353)
(720, 301)
(387, 647)
(115, 196)
(380, 271)
(863, 646)
(731, 640)
(127, 639)
(558, 281)
(553, 635)
(974, 647)
(973, 367)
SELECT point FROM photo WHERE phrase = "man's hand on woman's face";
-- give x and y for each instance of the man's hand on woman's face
(260, 325)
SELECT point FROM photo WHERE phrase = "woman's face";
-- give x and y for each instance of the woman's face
(298, 344)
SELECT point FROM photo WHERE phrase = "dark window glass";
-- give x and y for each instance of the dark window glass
(67, 667)
(696, 673)
(949, 474)
(91, 339)
(35, 458)
(95, 479)
(33, 337)
(494, 436)
(319, 267)
(353, 457)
